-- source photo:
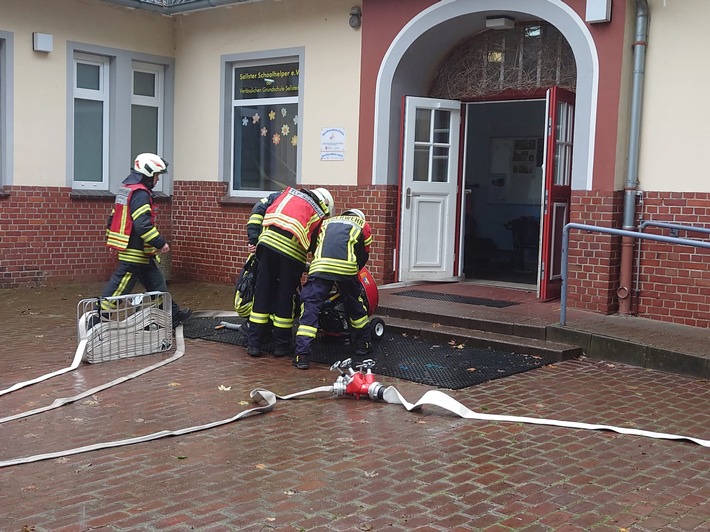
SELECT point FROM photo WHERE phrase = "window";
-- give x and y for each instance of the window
(262, 147)
(147, 112)
(119, 104)
(91, 121)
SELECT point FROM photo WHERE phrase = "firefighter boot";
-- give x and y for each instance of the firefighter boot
(302, 361)
(282, 342)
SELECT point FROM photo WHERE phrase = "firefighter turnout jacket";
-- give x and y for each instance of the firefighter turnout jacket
(286, 222)
(131, 227)
(343, 247)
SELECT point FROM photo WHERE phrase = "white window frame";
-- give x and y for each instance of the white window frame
(102, 95)
(152, 101)
(118, 78)
(229, 64)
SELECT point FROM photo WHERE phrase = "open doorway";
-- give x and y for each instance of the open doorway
(503, 176)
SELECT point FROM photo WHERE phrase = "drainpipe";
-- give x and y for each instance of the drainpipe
(630, 189)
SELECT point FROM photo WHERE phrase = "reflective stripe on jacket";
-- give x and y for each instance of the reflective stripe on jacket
(141, 246)
(343, 247)
(290, 223)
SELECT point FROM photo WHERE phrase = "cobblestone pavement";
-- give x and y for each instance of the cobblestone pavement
(326, 463)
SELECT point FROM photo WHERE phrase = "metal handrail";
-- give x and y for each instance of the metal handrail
(618, 232)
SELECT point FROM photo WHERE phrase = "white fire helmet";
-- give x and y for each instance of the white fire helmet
(326, 200)
(355, 212)
(149, 164)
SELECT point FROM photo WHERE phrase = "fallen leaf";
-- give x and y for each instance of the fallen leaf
(174, 384)
(222, 388)
(435, 325)
(181, 457)
(261, 466)
(244, 402)
(371, 474)
(421, 421)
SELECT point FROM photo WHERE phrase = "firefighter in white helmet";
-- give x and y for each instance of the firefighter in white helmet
(131, 230)
(282, 230)
(342, 250)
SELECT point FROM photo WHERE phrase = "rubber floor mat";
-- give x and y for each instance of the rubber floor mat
(453, 366)
(444, 365)
(205, 329)
(453, 298)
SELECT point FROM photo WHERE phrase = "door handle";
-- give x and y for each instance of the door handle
(408, 198)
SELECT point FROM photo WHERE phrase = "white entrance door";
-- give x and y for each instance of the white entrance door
(430, 164)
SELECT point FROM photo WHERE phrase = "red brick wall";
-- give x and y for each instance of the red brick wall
(674, 280)
(46, 236)
(210, 232)
(594, 258)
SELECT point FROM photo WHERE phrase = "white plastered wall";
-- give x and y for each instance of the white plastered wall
(675, 127)
(330, 83)
(40, 79)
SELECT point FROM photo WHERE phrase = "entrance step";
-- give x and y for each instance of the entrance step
(474, 337)
(499, 325)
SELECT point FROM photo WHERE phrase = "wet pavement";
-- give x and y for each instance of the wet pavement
(327, 463)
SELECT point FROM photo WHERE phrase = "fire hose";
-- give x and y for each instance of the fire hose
(127, 328)
(360, 383)
(179, 352)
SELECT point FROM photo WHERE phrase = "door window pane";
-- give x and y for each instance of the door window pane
(440, 165)
(421, 163)
(422, 125)
(442, 126)
(88, 140)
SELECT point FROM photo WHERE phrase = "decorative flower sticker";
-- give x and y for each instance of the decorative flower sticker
(255, 118)
(283, 112)
(295, 120)
(276, 139)
(285, 130)
(245, 121)
(294, 140)
(272, 115)
(264, 131)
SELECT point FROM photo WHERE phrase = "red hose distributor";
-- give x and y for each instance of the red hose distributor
(357, 383)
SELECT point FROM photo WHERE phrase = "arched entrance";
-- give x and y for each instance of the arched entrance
(408, 68)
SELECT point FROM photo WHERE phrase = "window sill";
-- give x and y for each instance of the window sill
(161, 197)
(239, 200)
(91, 194)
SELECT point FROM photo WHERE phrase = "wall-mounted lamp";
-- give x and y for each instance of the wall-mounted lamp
(500, 22)
(355, 17)
(42, 42)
